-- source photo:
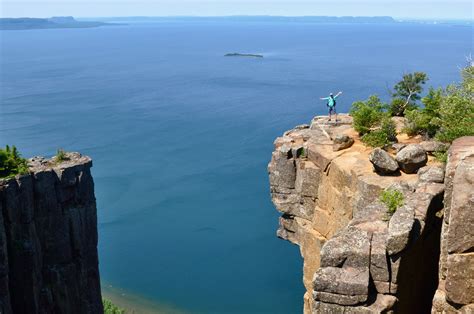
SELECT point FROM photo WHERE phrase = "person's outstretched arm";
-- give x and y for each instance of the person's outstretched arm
(337, 95)
(323, 98)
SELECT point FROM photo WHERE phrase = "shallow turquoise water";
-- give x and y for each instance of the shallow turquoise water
(181, 137)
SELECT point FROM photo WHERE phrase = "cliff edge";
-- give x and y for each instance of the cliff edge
(357, 257)
(48, 239)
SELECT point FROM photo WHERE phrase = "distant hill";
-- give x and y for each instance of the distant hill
(253, 18)
(53, 22)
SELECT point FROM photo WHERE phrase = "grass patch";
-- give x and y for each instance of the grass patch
(441, 156)
(61, 155)
(393, 199)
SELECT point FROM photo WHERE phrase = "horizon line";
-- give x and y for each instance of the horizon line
(254, 15)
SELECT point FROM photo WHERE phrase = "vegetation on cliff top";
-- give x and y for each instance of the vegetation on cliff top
(444, 114)
(447, 113)
(11, 162)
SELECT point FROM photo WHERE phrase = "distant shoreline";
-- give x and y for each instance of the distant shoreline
(26, 23)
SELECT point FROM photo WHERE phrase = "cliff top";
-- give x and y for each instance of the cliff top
(40, 164)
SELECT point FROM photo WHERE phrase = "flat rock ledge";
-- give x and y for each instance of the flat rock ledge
(358, 258)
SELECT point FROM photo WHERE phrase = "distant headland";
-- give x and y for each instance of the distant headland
(43, 23)
(236, 54)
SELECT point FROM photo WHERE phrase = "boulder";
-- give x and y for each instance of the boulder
(431, 174)
(342, 142)
(399, 229)
(382, 161)
(433, 146)
(398, 146)
(411, 158)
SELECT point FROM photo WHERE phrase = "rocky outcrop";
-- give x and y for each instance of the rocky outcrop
(48, 239)
(456, 272)
(357, 258)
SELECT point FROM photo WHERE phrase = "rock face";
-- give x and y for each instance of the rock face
(358, 259)
(411, 158)
(456, 272)
(383, 162)
(48, 239)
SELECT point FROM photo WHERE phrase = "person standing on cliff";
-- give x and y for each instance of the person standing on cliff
(331, 104)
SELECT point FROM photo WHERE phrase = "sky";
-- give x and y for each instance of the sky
(427, 9)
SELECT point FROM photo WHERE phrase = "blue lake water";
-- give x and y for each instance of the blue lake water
(181, 137)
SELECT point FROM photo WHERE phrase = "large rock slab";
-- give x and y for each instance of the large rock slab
(399, 229)
(411, 158)
(431, 174)
(349, 248)
(460, 278)
(346, 281)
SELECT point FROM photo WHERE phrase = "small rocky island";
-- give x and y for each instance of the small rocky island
(236, 54)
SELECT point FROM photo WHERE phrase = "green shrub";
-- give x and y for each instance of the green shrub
(456, 114)
(392, 198)
(385, 135)
(375, 139)
(367, 114)
(110, 308)
(11, 162)
(61, 155)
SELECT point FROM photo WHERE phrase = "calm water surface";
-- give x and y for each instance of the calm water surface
(181, 137)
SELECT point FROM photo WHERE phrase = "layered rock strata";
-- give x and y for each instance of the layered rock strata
(456, 273)
(357, 258)
(48, 239)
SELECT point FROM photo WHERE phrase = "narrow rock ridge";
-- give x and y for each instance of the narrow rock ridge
(358, 258)
(48, 239)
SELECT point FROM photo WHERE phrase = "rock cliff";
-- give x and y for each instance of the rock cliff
(48, 239)
(456, 274)
(357, 257)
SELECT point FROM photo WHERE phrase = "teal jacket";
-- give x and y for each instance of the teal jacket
(331, 100)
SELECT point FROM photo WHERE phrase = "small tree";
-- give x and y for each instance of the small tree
(407, 92)
(11, 162)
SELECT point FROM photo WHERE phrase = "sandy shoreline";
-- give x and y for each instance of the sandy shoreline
(135, 304)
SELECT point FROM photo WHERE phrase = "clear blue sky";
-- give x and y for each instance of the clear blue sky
(459, 9)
